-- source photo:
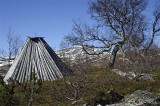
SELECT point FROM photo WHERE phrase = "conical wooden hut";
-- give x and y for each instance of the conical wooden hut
(37, 58)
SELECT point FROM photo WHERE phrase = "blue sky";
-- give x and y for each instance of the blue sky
(51, 19)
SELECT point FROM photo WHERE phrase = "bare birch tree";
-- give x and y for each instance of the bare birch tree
(119, 23)
(14, 44)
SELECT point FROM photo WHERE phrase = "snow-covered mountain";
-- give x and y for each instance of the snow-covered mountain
(5, 61)
(4, 65)
(76, 52)
(71, 53)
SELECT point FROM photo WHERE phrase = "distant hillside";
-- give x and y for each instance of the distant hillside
(75, 52)
(4, 65)
(5, 61)
(71, 52)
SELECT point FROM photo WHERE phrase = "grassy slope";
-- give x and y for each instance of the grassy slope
(94, 83)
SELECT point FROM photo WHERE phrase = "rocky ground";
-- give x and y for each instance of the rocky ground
(137, 98)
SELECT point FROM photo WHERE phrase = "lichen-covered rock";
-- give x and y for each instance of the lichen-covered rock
(146, 77)
(135, 76)
(140, 98)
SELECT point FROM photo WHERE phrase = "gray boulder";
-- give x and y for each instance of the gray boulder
(140, 98)
(135, 76)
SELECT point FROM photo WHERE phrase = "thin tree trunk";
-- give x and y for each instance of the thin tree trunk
(113, 56)
(32, 89)
(31, 98)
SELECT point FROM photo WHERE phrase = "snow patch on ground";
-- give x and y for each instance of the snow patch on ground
(4, 61)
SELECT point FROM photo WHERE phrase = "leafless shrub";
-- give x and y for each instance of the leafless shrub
(14, 44)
